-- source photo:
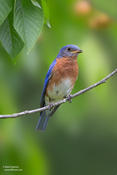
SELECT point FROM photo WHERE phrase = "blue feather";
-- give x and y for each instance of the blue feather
(48, 75)
(43, 120)
(44, 115)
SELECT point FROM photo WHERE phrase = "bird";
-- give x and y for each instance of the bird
(59, 81)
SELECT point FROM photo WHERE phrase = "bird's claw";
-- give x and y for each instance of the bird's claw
(69, 98)
(50, 106)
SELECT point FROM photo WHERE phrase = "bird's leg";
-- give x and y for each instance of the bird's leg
(50, 106)
(69, 98)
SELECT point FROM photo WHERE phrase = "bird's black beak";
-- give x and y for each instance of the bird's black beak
(77, 51)
(80, 51)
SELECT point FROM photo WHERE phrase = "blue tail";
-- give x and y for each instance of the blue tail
(43, 121)
(44, 117)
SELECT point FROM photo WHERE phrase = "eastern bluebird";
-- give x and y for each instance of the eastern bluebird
(59, 81)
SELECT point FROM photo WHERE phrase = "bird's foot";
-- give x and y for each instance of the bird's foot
(50, 106)
(69, 98)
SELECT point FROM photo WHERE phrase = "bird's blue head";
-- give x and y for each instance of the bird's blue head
(69, 51)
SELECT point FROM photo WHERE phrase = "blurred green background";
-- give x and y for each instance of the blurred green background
(81, 137)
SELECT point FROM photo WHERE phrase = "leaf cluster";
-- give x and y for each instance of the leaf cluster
(21, 23)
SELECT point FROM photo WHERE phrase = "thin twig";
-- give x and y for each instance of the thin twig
(62, 101)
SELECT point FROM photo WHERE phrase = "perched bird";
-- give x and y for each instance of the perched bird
(59, 81)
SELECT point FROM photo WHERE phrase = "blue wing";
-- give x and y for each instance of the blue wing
(45, 115)
(48, 75)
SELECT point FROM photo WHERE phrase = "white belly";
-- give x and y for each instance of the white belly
(61, 90)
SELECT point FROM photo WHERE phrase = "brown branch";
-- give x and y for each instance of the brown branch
(62, 101)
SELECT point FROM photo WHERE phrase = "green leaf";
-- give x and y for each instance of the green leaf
(36, 3)
(9, 38)
(28, 22)
(46, 13)
(5, 8)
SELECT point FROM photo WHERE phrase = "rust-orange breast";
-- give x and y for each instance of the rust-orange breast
(64, 68)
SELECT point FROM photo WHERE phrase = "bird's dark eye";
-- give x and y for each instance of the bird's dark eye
(69, 49)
